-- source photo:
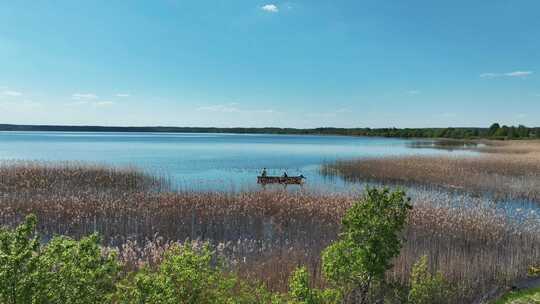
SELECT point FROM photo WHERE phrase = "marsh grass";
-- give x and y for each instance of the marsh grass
(263, 235)
(505, 171)
(49, 178)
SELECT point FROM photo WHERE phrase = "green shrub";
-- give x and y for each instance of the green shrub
(19, 249)
(64, 271)
(301, 293)
(80, 272)
(184, 276)
(187, 276)
(371, 238)
(393, 293)
(534, 271)
(299, 289)
(425, 287)
(527, 296)
(77, 272)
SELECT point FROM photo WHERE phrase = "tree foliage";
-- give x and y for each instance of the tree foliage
(63, 271)
(371, 238)
(77, 272)
(494, 131)
(301, 293)
(185, 276)
(82, 272)
(19, 260)
(425, 287)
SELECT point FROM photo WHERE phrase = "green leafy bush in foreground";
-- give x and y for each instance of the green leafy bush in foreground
(534, 271)
(184, 276)
(371, 238)
(425, 287)
(529, 296)
(70, 271)
(18, 262)
(190, 276)
(80, 272)
(63, 271)
(301, 292)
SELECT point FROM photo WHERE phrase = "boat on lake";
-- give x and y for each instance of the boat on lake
(286, 180)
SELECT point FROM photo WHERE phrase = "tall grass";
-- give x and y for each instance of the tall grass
(264, 235)
(508, 171)
(49, 178)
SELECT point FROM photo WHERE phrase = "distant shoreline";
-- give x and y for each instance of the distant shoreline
(503, 132)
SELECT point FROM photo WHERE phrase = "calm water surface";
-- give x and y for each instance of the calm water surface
(206, 161)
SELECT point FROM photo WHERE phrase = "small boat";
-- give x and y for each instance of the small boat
(289, 180)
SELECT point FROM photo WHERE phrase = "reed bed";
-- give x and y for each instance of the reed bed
(48, 178)
(505, 171)
(509, 147)
(264, 235)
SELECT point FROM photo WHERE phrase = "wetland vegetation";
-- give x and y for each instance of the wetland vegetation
(495, 131)
(504, 170)
(263, 236)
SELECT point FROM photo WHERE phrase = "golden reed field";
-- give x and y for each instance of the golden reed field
(503, 169)
(264, 235)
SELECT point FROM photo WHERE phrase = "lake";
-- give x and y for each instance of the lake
(206, 161)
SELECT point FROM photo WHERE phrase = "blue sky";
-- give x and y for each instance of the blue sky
(270, 63)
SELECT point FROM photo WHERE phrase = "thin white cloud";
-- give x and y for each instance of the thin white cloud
(78, 96)
(413, 92)
(122, 95)
(226, 108)
(11, 93)
(516, 74)
(77, 103)
(267, 111)
(271, 8)
(88, 103)
(519, 74)
(490, 75)
(103, 103)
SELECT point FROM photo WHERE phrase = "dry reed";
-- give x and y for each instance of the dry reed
(508, 171)
(262, 234)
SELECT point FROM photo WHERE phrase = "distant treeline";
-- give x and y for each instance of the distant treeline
(495, 131)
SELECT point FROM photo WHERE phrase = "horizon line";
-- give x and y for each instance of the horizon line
(4, 125)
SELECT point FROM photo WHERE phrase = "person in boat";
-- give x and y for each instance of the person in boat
(264, 173)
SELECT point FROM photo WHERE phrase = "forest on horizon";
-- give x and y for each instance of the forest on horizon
(495, 131)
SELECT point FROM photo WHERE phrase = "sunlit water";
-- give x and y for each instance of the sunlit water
(206, 161)
(222, 162)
